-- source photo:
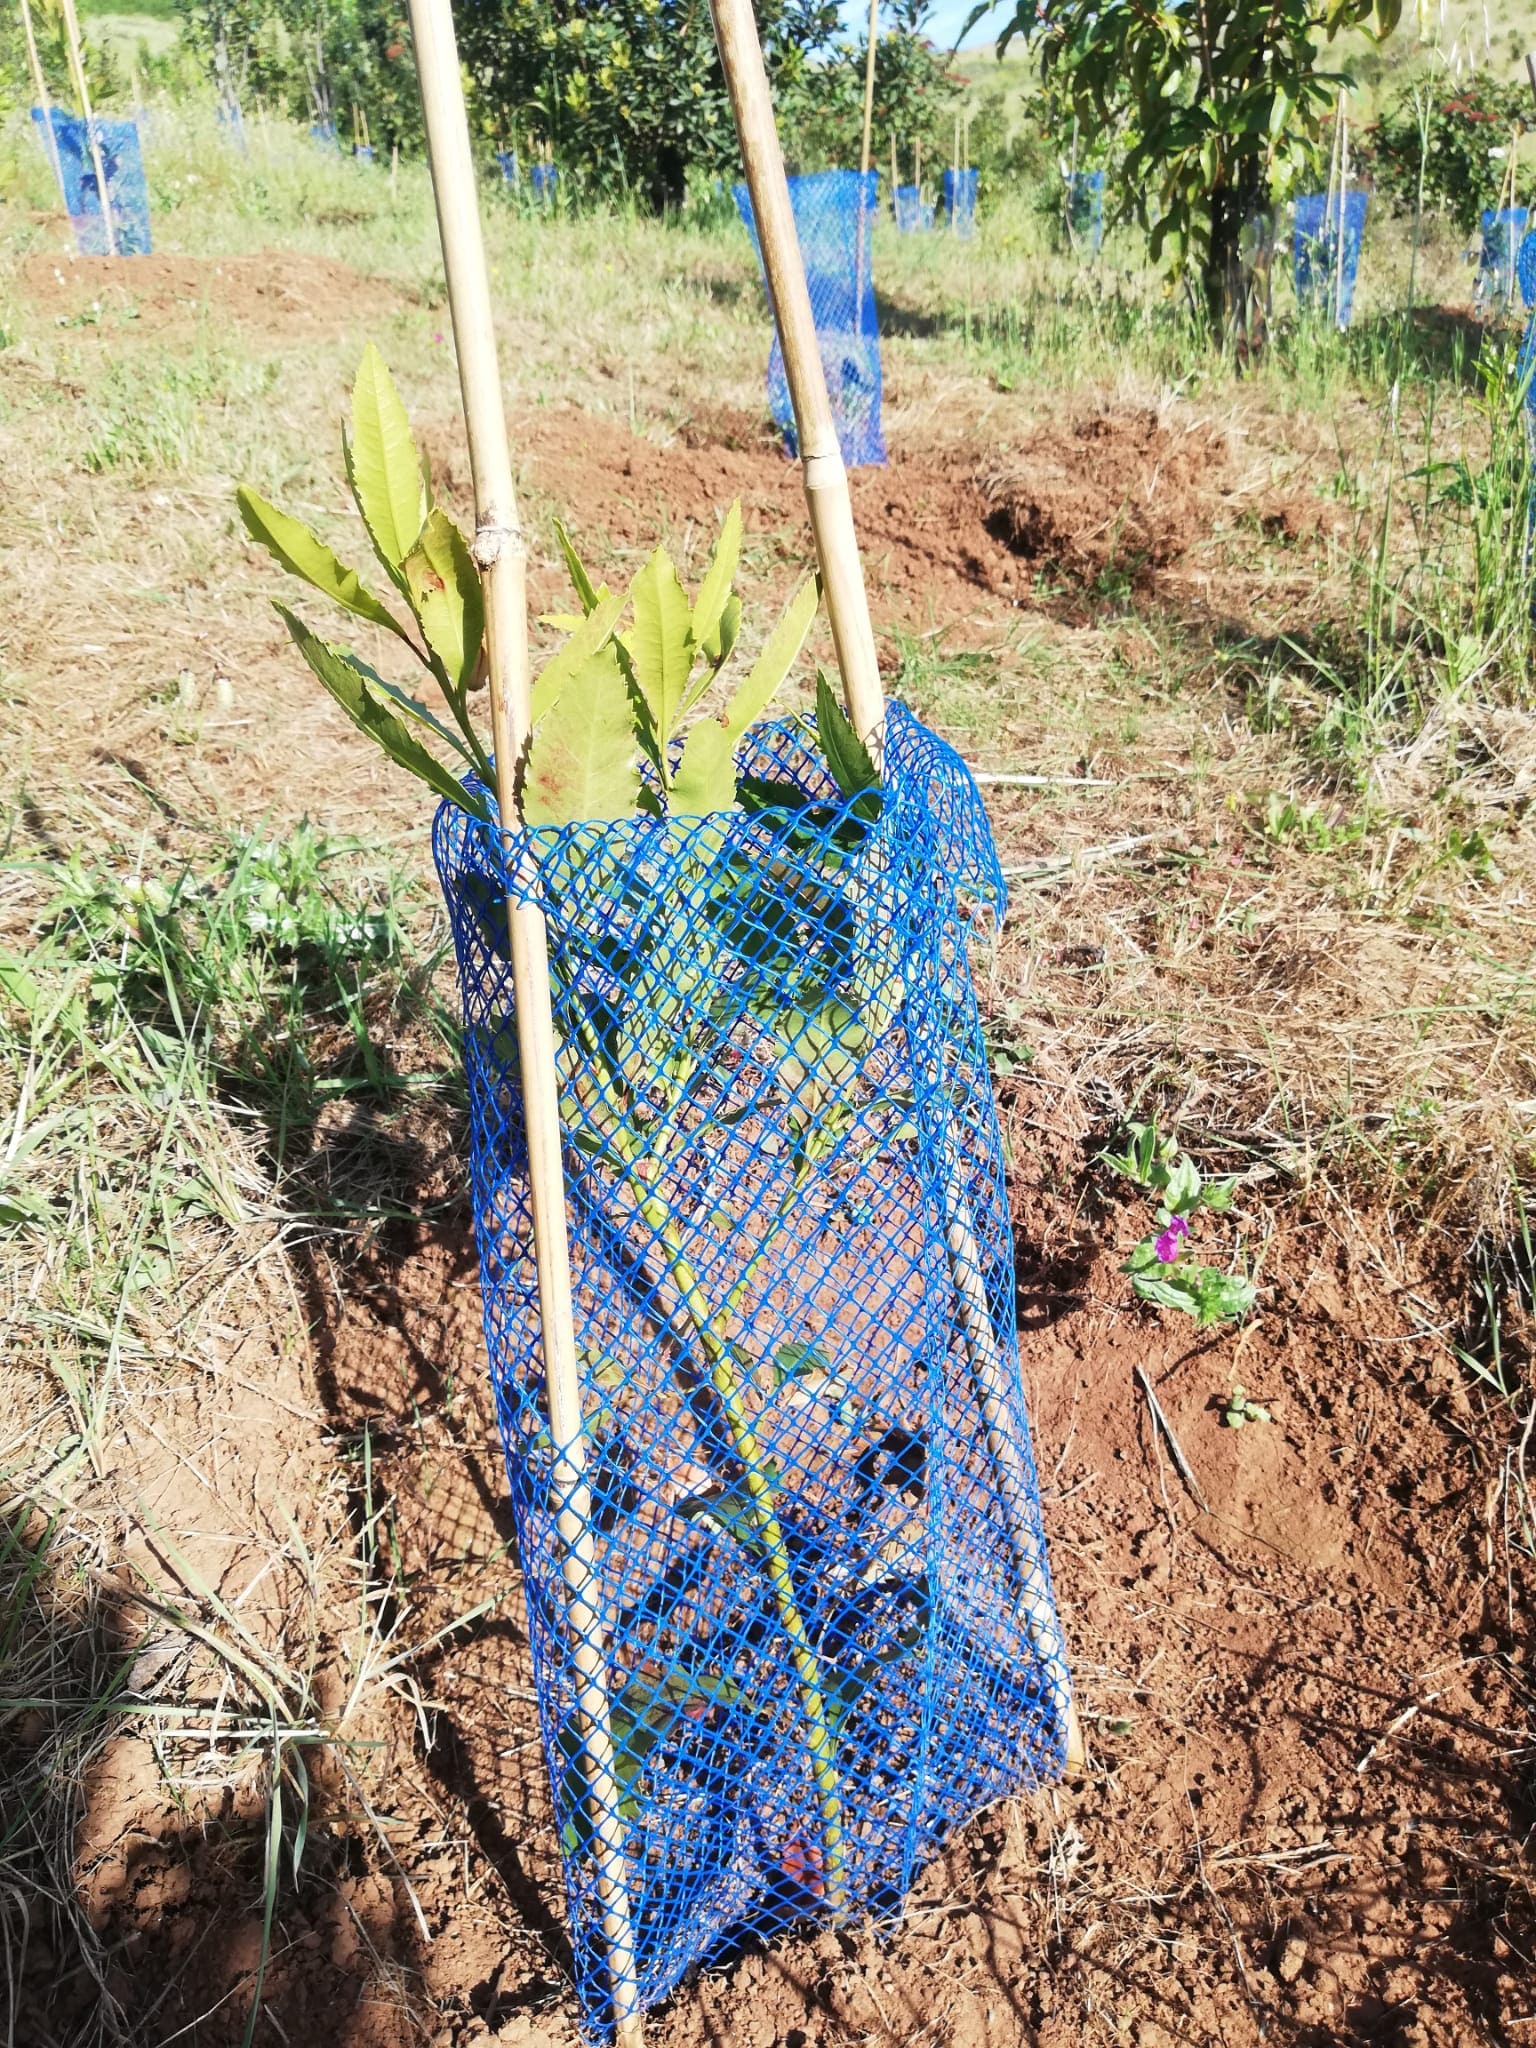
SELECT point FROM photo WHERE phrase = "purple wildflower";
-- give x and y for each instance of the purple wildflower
(1171, 1241)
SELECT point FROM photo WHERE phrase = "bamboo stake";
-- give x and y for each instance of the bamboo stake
(45, 104)
(77, 72)
(823, 472)
(501, 556)
(842, 575)
(869, 86)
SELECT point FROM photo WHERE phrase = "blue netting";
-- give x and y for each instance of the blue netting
(912, 216)
(1085, 209)
(817, 1592)
(323, 135)
(231, 126)
(507, 159)
(363, 151)
(1502, 228)
(122, 164)
(1315, 247)
(544, 178)
(834, 218)
(960, 202)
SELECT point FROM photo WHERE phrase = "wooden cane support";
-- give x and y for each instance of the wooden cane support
(842, 574)
(44, 102)
(82, 93)
(501, 556)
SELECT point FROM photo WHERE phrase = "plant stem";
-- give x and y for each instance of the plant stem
(765, 1521)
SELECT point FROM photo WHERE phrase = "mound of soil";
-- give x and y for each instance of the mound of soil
(1119, 488)
(276, 293)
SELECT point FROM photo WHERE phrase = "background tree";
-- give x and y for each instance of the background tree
(1468, 132)
(1222, 104)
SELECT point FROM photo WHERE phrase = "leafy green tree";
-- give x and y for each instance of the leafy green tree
(1468, 133)
(629, 91)
(821, 113)
(1221, 104)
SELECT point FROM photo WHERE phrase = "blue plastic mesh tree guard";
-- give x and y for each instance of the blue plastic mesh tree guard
(1502, 228)
(793, 1281)
(544, 178)
(960, 202)
(1085, 209)
(122, 163)
(912, 216)
(834, 219)
(507, 159)
(1315, 246)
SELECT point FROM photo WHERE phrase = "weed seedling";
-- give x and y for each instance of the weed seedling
(1161, 1267)
(1241, 1409)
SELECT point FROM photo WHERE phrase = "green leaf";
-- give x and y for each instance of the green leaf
(591, 634)
(706, 776)
(348, 682)
(1181, 1189)
(847, 756)
(19, 983)
(382, 465)
(581, 582)
(714, 591)
(292, 544)
(581, 763)
(798, 1361)
(444, 589)
(661, 644)
(1198, 1291)
(774, 663)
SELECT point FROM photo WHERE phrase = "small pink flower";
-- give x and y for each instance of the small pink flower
(1171, 1241)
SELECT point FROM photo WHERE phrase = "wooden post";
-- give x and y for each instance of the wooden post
(842, 576)
(82, 93)
(822, 469)
(45, 104)
(869, 85)
(501, 556)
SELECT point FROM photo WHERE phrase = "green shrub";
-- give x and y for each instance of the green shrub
(1468, 131)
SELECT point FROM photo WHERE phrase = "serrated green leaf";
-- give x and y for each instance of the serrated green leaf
(443, 585)
(581, 582)
(581, 763)
(348, 683)
(382, 465)
(290, 542)
(592, 633)
(774, 663)
(661, 643)
(706, 775)
(715, 589)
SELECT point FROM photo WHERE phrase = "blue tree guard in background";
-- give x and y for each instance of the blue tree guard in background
(544, 178)
(507, 159)
(363, 151)
(1085, 210)
(323, 135)
(1315, 240)
(834, 220)
(795, 1207)
(1502, 228)
(912, 216)
(960, 202)
(122, 163)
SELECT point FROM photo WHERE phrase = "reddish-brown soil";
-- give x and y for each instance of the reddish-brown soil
(278, 293)
(1306, 1796)
(1120, 488)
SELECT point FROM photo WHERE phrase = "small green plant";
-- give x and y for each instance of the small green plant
(607, 704)
(612, 741)
(1240, 1409)
(1161, 1267)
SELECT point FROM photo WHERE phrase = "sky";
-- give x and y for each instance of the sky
(942, 26)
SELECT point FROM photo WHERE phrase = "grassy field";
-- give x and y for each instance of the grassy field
(1255, 651)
